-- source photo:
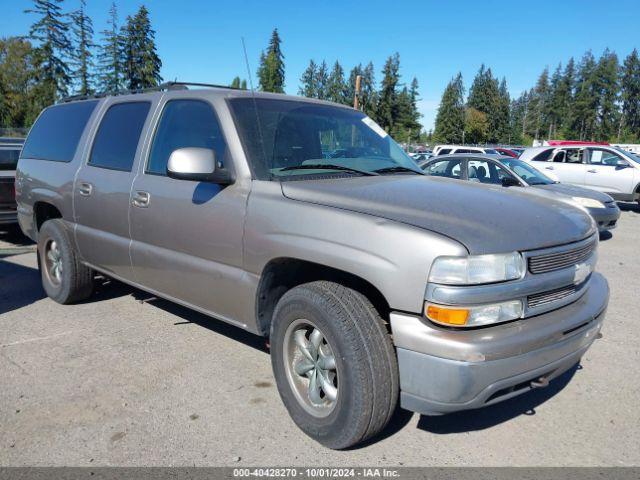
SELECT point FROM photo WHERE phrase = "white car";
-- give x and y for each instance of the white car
(447, 149)
(599, 167)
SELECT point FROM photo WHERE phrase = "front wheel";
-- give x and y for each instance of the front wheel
(334, 363)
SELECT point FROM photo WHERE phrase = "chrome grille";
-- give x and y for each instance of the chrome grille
(543, 298)
(556, 261)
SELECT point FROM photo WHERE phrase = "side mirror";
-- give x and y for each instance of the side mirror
(197, 164)
(620, 164)
(510, 182)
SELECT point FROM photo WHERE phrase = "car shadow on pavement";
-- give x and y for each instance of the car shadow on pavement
(487, 417)
(19, 286)
(11, 234)
(606, 235)
(629, 207)
(210, 323)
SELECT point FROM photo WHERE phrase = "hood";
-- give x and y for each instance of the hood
(484, 218)
(574, 191)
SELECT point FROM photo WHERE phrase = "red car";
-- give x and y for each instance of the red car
(506, 152)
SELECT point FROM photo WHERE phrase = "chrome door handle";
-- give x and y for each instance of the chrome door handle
(592, 171)
(85, 189)
(141, 199)
(548, 168)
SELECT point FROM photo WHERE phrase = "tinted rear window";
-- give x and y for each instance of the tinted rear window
(9, 159)
(56, 134)
(117, 139)
(544, 156)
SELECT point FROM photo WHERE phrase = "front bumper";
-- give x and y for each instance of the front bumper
(444, 370)
(606, 218)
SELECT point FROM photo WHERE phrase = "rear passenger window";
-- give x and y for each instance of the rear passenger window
(56, 134)
(117, 139)
(185, 123)
(543, 156)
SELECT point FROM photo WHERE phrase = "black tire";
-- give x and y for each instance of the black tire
(75, 281)
(366, 363)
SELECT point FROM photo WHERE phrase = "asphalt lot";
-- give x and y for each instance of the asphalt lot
(118, 381)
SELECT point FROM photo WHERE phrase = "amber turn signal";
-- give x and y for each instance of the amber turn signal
(447, 316)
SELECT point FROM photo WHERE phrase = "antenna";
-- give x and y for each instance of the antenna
(255, 107)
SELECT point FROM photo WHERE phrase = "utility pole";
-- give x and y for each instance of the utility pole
(356, 94)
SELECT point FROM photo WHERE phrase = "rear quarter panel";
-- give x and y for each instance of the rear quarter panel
(39, 180)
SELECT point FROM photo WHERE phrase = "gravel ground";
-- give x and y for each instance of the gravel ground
(124, 382)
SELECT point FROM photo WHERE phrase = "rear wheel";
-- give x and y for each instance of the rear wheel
(64, 278)
(334, 363)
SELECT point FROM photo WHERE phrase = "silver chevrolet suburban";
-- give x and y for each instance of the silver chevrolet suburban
(302, 221)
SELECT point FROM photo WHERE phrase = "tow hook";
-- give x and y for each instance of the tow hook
(541, 382)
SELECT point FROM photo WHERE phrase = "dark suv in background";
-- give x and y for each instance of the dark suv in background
(9, 153)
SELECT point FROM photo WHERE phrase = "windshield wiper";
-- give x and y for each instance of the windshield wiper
(327, 166)
(398, 168)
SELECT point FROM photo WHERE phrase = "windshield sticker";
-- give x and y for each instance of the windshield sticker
(374, 126)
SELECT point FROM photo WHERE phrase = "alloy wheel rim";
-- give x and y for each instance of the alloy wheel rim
(53, 262)
(311, 368)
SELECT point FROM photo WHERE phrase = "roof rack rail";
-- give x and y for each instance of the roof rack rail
(159, 88)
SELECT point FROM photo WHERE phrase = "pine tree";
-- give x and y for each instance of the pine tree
(608, 88)
(52, 52)
(82, 55)
(322, 77)
(631, 95)
(484, 96)
(308, 81)
(555, 102)
(271, 69)
(539, 105)
(141, 62)
(503, 131)
(585, 103)
(368, 92)
(449, 123)
(336, 88)
(388, 97)
(563, 99)
(406, 125)
(110, 63)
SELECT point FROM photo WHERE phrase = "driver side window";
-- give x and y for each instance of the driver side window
(185, 123)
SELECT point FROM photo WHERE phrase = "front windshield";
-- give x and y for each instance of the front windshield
(525, 171)
(284, 138)
(629, 155)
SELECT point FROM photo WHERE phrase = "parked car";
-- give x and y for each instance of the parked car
(9, 153)
(506, 152)
(421, 157)
(451, 149)
(372, 281)
(598, 167)
(512, 172)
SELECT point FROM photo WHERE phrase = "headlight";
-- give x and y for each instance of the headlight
(588, 202)
(463, 316)
(476, 269)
